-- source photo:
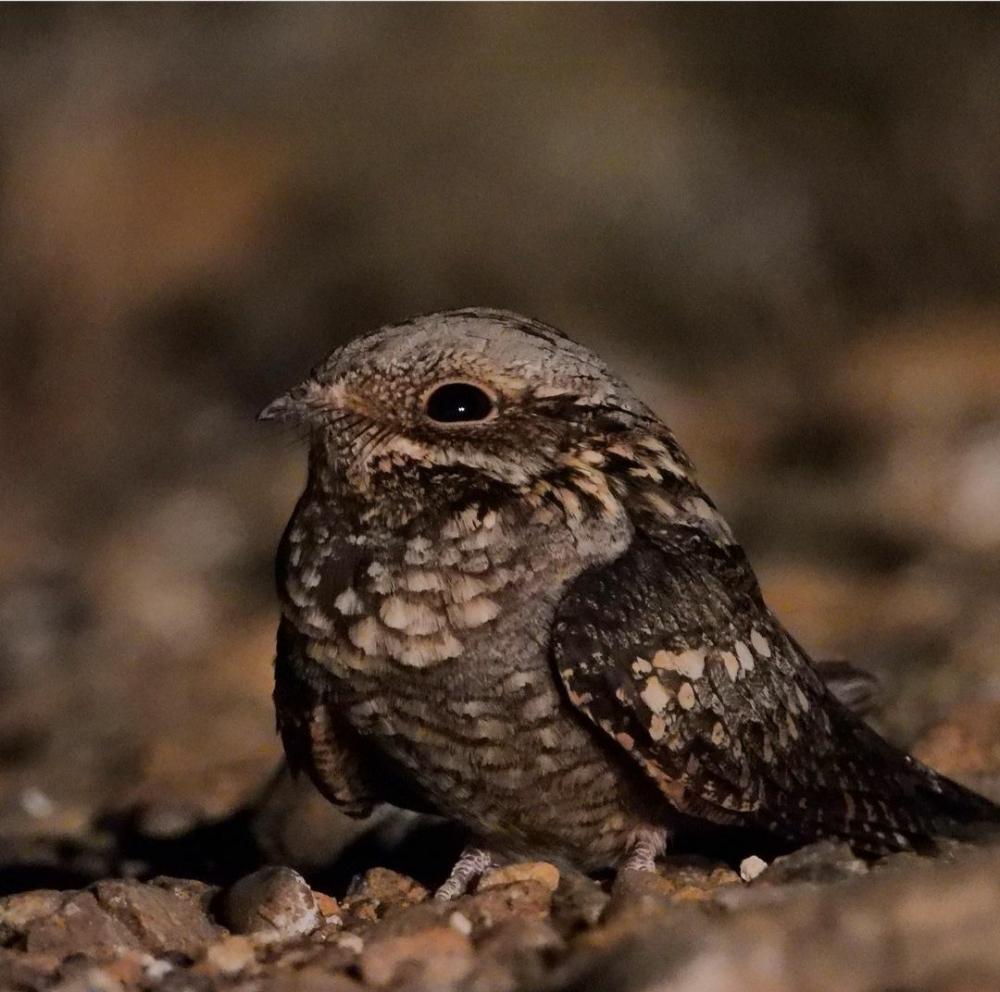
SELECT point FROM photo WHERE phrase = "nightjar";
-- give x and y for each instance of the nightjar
(506, 600)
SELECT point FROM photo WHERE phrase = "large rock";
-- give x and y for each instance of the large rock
(164, 916)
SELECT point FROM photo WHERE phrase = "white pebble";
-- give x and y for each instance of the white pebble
(350, 942)
(751, 867)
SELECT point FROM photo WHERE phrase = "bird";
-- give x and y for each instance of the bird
(507, 601)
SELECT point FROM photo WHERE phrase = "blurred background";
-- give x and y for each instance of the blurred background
(780, 223)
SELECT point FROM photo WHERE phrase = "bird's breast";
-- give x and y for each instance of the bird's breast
(473, 587)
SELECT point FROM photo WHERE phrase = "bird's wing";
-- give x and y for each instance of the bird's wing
(671, 652)
(314, 740)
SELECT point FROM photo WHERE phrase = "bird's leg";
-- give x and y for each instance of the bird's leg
(472, 863)
(646, 847)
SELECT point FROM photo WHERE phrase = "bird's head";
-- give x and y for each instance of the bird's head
(483, 393)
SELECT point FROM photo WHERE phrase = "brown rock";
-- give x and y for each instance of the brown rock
(929, 929)
(400, 921)
(163, 918)
(537, 871)
(272, 903)
(380, 891)
(27, 972)
(641, 891)
(683, 872)
(578, 903)
(513, 956)
(682, 880)
(331, 956)
(19, 910)
(80, 926)
(526, 899)
(128, 969)
(823, 862)
(229, 956)
(328, 906)
(435, 960)
(187, 888)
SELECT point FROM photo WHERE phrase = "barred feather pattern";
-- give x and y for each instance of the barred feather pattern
(539, 625)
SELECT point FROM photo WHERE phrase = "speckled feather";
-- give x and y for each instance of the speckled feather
(538, 623)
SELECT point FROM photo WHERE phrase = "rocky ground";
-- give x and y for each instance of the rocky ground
(818, 919)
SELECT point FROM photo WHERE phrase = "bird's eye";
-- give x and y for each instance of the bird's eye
(459, 402)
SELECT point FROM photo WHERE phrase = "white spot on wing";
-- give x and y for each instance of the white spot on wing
(689, 663)
(349, 603)
(654, 695)
(745, 655)
(760, 643)
(366, 635)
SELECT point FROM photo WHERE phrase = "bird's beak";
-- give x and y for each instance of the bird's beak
(295, 405)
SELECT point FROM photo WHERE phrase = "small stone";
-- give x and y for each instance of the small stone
(526, 899)
(273, 903)
(129, 969)
(578, 902)
(350, 942)
(380, 890)
(751, 867)
(157, 969)
(526, 871)
(230, 956)
(329, 908)
(36, 803)
(436, 959)
(644, 889)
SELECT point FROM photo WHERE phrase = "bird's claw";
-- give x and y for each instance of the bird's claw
(471, 865)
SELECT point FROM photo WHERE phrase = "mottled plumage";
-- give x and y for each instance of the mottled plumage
(506, 600)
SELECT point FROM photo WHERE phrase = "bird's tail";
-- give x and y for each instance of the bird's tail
(878, 798)
(906, 804)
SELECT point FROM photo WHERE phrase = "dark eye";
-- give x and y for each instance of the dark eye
(457, 402)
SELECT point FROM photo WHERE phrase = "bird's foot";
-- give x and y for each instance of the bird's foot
(647, 846)
(473, 863)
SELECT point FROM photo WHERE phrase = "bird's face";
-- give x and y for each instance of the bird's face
(481, 392)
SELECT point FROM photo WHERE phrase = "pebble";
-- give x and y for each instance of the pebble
(379, 890)
(751, 867)
(526, 871)
(231, 955)
(437, 958)
(273, 903)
